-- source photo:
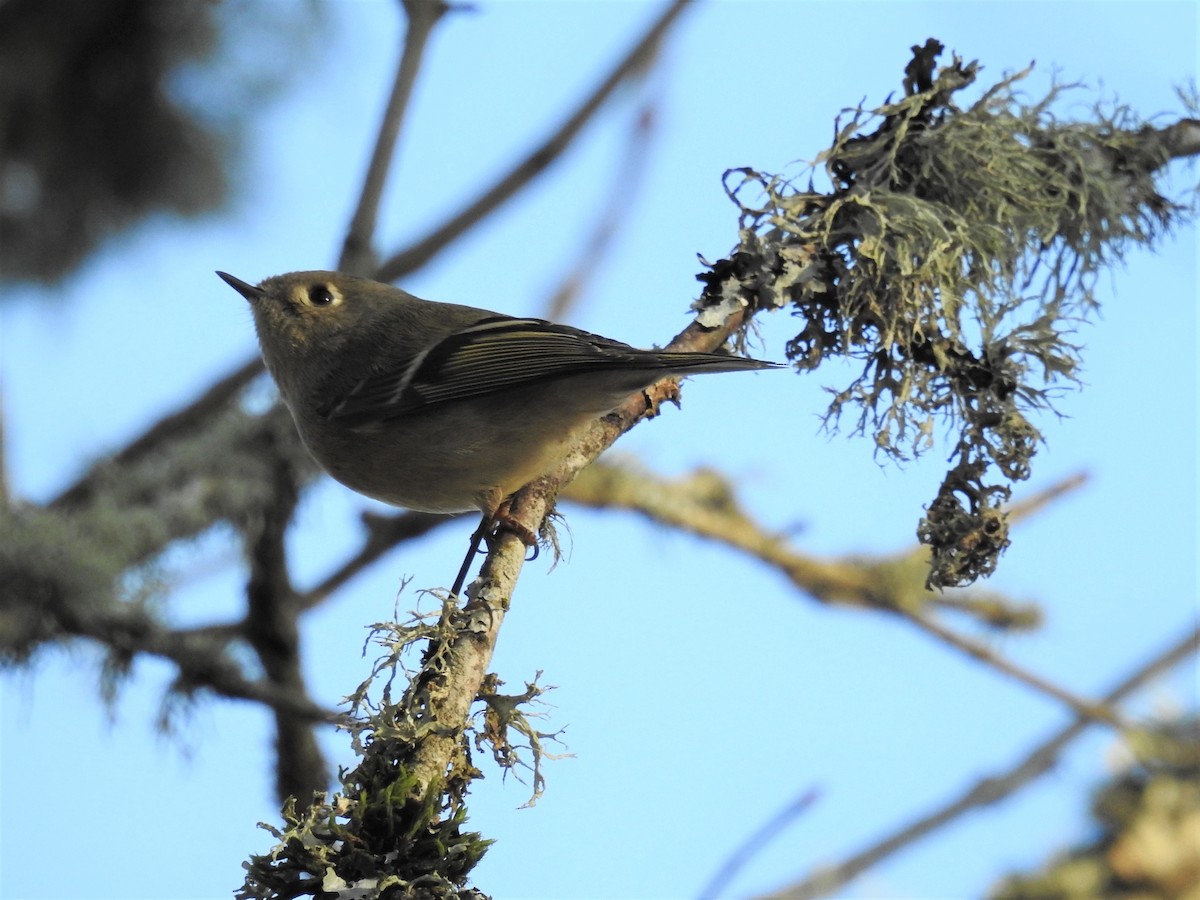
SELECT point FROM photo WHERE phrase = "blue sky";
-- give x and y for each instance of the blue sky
(699, 693)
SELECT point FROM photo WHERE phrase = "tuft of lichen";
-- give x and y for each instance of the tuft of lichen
(954, 255)
(385, 835)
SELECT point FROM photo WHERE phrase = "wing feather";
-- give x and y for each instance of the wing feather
(493, 355)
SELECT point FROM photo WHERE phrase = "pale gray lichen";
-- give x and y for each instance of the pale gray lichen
(954, 255)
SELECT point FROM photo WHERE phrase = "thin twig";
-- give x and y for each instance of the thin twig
(984, 654)
(536, 161)
(1034, 503)
(383, 533)
(357, 255)
(985, 791)
(761, 837)
(627, 181)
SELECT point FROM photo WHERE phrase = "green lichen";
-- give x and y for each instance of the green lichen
(953, 257)
(385, 834)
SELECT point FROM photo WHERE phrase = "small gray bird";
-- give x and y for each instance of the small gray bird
(438, 407)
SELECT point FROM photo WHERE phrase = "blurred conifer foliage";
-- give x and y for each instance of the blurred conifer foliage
(102, 120)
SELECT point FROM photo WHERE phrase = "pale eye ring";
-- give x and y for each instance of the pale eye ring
(320, 295)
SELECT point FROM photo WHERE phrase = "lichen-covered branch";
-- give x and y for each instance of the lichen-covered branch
(953, 255)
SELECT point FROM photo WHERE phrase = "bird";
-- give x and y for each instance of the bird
(438, 407)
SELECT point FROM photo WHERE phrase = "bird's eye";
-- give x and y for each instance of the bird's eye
(320, 295)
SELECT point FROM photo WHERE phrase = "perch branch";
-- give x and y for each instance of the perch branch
(468, 652)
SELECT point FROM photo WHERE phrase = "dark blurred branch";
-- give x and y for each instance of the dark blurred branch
(178, 425)
(357, 255)
(416, 255)
(383, 534)
(272, 628)
(201, 661)
(986, 791)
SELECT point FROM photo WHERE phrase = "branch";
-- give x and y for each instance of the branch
(272, 629)
(357, 256)
(980, 652)
(186, 421)
(626, 183)
(704, 504)
(383, 533)
(986, 791)
(1175, 141)
(201, 662)
(1029, 506)
(538, 159)
(464, 655)
(762, 835)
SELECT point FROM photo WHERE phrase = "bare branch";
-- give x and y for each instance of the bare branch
(1035, 503)
(383, 533)
(627, 181)
(980, 652)
(357, 254)
(202, 662)
(761, 837)
(704, 504)
(986, 791)
(539, 159)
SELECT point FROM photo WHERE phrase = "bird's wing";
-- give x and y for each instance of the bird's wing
(494, 354)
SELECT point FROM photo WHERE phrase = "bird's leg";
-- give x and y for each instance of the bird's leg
(482, 533)
(489, 528)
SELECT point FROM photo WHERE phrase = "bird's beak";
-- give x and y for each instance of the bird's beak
(249, 291)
